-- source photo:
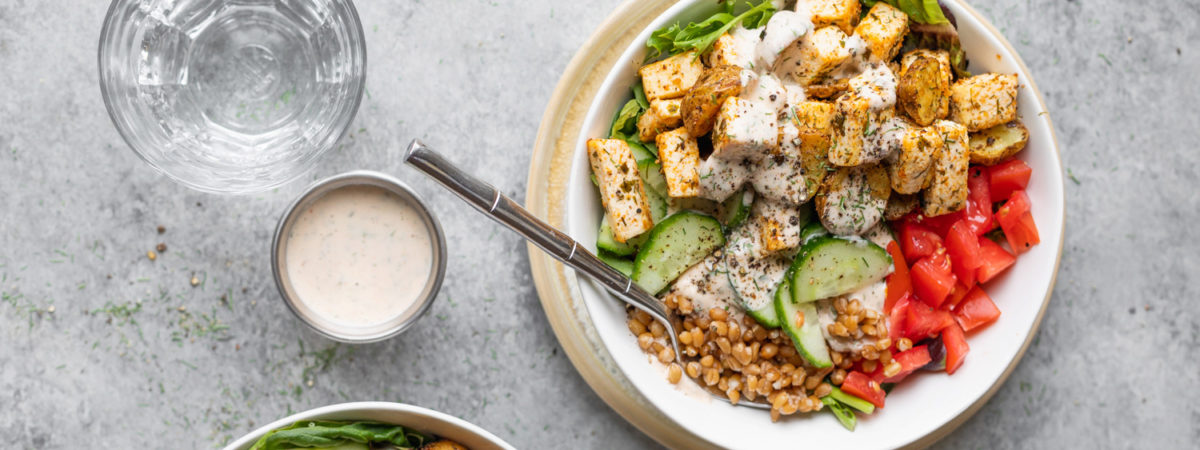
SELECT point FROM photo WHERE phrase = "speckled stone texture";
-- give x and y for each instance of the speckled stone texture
(99, 346)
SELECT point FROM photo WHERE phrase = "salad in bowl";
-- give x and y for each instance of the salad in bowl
(821, 193)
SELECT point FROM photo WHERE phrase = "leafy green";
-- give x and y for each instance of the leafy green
(313, 433)
(939, 37)
(920, 11)
(624, 125)
(674, 39)
(844, 414)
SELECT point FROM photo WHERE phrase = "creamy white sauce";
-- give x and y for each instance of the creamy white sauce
(359, 256)
(706, 284)
(857, 48)
(877, 84)
(784, 28)
(850, 209)
(745, 41)
(753, 272)
(720, 177)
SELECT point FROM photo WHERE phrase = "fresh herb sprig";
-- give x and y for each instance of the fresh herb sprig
(700, 37)
(920, 11)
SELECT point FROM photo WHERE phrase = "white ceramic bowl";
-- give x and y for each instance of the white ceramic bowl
(415, 417)
(925, 406)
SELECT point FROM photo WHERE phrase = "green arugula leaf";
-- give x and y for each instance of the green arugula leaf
(920, 11)
(639, 94)
(314, 433)
(625, 124)
(673, 39)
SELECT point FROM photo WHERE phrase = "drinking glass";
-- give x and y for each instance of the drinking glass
(232, 96)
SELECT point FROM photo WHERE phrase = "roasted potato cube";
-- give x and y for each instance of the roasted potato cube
(744, 130)
(883, 29)
(808, 134)
(984, 101)
(811, 59)
(850, 122)
(993, 145)
(662, 115)
(839, 13)
(923, 93)
(735, 48)
(852, 199)
(912, 165)
(621, 190)
(814, 119)
(947, 191)
(899, 205)
(443, 444)
(827, 89)
(671, 77)
(680, 157)
(704, 99)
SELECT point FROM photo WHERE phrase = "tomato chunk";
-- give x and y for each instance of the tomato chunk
(918, 241)
(955, 297)
(1016, 220)
(1006, 177)
(899, 283)
(862, 386)
(994, 259)
(976, 310)
(921, 321)
(978, 214)
(962, 244)
(956, 347)
(910, 360)
(932, 278)
(897, 318)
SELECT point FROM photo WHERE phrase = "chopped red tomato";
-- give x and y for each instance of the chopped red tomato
(862, 386)
(921, 321)
(955, 296)
(1017, 222)
(898, 282)
(994, 259)
(962, 244)
(910, 360)
(917, 241)
(897, 317)
(1008, 176)
(978, 214)
(932, 278)
(956, 347)
(976, 310)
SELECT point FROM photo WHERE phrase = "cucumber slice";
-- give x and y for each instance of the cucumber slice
(754, 276)
(652, 176)
(658, 206)
(607, 242)
(622, 265)
(807, 337)
(852, 401)
(812, 230)
(675, 244)
(735, 209)
(842, 412)
(640, 152)
(830, 266)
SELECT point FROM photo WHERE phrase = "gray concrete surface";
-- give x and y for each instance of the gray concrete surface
(100, 346)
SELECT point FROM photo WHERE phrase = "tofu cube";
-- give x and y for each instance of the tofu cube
(663, 115)
(883, 29)
(814, 119)
(839, 13)
(947, 191)
(621, 190)
(850, 122)
(984, 101)
(744, 130)
(912, 165)
(735, 48)
(780, 225)
(811, 59)
(671, 77)
(680, 157)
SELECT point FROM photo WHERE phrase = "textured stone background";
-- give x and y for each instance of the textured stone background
(132, 355)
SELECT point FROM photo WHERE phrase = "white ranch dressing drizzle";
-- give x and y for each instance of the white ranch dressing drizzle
(359, 256)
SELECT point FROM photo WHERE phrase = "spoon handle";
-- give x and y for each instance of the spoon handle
(509, 213)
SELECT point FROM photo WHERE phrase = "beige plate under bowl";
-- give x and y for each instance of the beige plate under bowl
(588, 324)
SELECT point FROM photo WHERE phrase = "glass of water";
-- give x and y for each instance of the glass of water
(232, 96)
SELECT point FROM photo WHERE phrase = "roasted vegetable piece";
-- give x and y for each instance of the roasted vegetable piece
(984, 101)
(703, 101)
(924, 89)
(993, 145)
(443, 444)
(827, 89)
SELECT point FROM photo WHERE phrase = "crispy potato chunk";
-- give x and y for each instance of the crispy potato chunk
(984, 101)
(923, 93)
(947, 191)
(443, 444)
(911, 167)
(703, 101)
(812, 58)
(839, 13)
(827, 89)
(852, 199)
(899, 205)
(814, 120)
(883, 29)
(663, 115)
(998, 143)
(671, 77)
(680, 157)
(621, 190)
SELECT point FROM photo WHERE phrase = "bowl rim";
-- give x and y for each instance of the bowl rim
(106, 41)
(319, 413)
(549, 154)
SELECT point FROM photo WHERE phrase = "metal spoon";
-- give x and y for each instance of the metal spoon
(509, 213)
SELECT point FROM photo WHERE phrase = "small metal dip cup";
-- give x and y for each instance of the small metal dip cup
(331, 329)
